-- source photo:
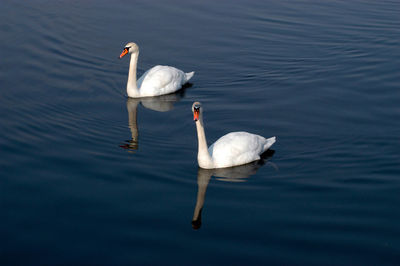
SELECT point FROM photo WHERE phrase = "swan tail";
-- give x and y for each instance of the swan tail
(268, 143)
(189, 75)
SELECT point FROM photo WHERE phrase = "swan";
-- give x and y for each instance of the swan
(235, 148)
(156, 81)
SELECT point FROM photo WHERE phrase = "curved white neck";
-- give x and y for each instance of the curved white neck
(203, 156)
(131, 87)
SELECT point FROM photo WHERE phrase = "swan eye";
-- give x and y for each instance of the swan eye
(127, 48)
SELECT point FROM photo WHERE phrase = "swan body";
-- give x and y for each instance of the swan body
(233, 149)
(237, 148)
(158, 80)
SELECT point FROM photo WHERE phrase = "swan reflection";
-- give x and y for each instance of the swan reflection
(162, 103)
(230, 174)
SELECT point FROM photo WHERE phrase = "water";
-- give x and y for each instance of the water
(90, 177)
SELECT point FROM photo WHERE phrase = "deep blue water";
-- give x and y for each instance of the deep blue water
(322, 76)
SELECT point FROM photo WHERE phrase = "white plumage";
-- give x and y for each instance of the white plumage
(158, 80)
(235, 148)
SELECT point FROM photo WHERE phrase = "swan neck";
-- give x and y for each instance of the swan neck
(203, 156)
(131, 87)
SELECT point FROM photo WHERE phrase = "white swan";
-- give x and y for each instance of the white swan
(235, 148)
(156, 81)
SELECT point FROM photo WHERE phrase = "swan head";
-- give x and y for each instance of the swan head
(129, 48)
(197, 110)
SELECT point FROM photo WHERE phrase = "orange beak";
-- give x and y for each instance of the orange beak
(124, 52)
(196, 115)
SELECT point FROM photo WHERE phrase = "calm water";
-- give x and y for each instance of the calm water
(91, 177)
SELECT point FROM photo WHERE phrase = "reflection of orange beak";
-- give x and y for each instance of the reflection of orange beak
(124, 52)
(196, 115)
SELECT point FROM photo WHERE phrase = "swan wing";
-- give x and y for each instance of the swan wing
(238, 148)
(161, 80)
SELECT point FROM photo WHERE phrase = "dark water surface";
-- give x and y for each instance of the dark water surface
(89, 177)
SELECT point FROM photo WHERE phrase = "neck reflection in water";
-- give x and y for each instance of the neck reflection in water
(162, 103)
(230, 174)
